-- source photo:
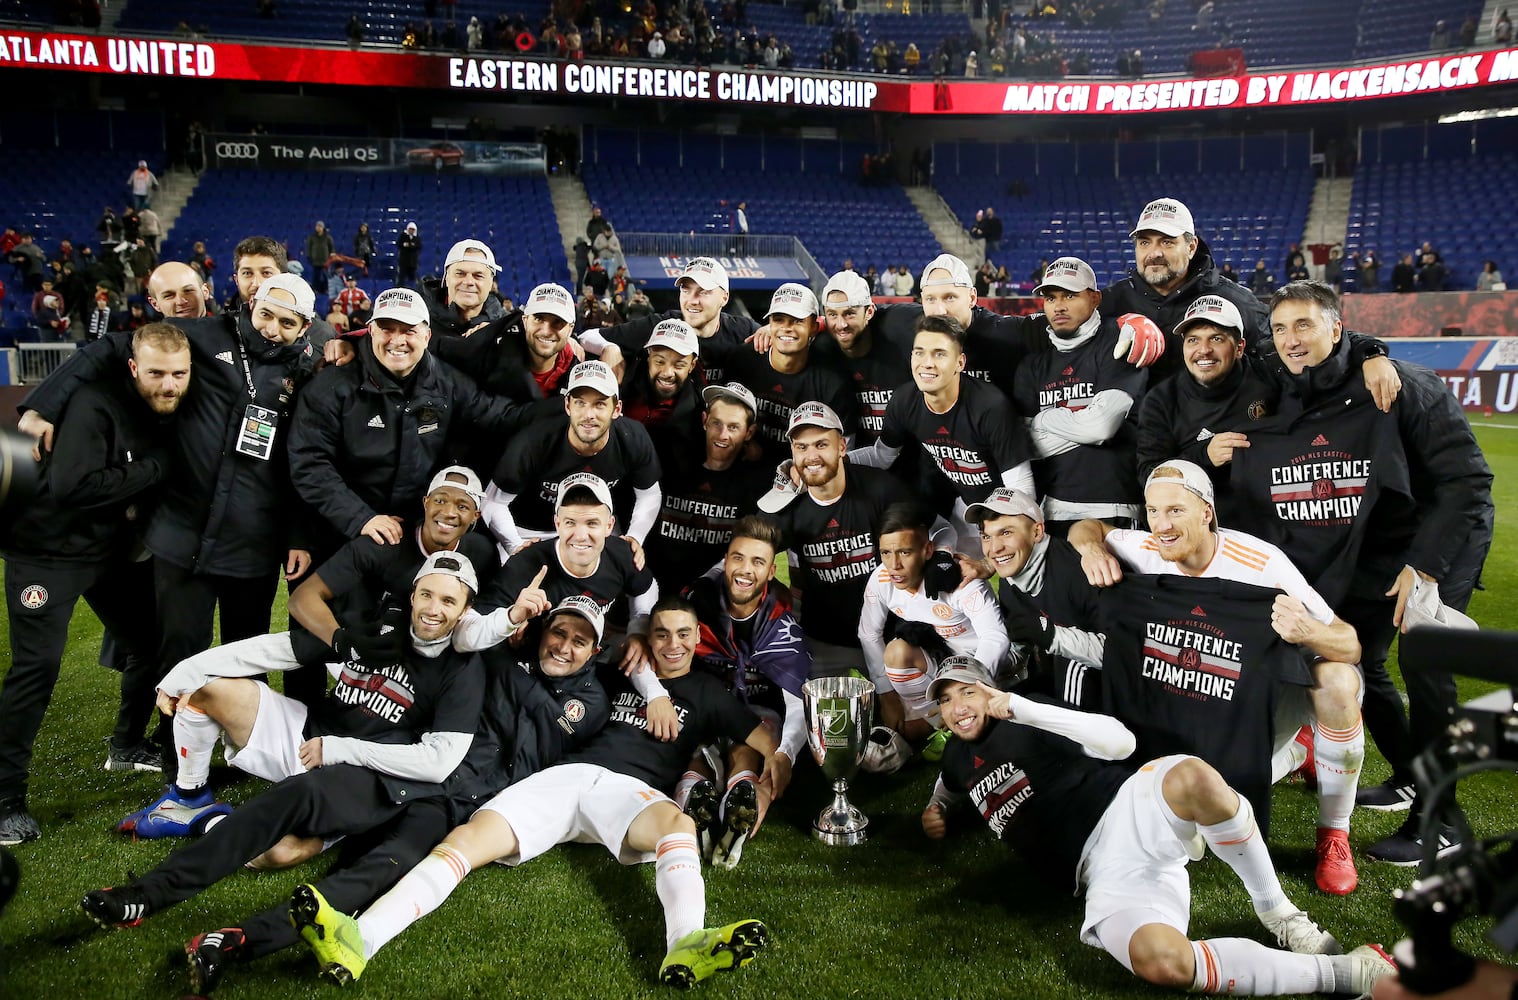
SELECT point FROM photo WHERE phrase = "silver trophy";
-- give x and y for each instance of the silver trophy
(838, 718)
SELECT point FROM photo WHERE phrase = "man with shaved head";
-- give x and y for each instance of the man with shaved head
(178, 291)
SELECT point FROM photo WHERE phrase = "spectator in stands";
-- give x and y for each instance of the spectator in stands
(1439, 39)
(972, 65)
(1228, 272)
(1262, 281)
(1468, 32)
(49, 311)
(319, 251)
(195, 148)
(656, 47)
(363, 245)
(1431, 273)
(1333, 271)
(992, 229)
(977, 229)
(141, 184)
(474, 35)
(903, 281)
(740, 226)
(1404, 278)
(1426, 249)
(596, 279)
(1296, 267)
(352, 302)
(873, 277)
(109, 228)
(983, 279)
(591, 313)
(1489, 278)
(355, 31)
(638, 306)
(912, 58)
(597, 224)
(28, 259)
(1370, 271)
(1502, 28)
(1003, 282)
(408, 253)
(148, 227)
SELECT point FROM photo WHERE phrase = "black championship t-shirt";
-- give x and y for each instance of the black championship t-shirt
(778, 394)
(364, 574)
(397, 703)
(1315, 484)
(614, 576)
(707, 711)
(1191, 666)
(874, 378)
(835, 546)
(696, 518)
(994, 345)
(1038, 792)
(539, 458)
(1065, 595)
(1088, 473)
(971, 445)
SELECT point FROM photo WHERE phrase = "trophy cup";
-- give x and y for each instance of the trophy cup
(838, 717)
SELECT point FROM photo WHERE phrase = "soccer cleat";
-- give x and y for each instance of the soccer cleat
(712, 949)
(704, 808)
(17, 826)
(1308, 772)
(176, 815)
(124, 907)
(1389, 796)
(1296, 931)
(932, 751)
(209, 954)
(141, 756)
(1405, 847)
(740, 811)
(1369, 963)
(333, 937)
(1335, 873)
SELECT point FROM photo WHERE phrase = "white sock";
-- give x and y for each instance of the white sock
(1248, 968)
(1286, 760)
(1338, 754)
(740, 776)
(677, 877)
(1238, 842)
(421, 891)
(687, 781)
(195, 736)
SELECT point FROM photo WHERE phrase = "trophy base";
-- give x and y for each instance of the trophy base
(841, 829)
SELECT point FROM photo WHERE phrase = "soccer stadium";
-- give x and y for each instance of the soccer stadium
(875, 498)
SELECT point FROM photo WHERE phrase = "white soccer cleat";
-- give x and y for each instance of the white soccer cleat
(1295, 931)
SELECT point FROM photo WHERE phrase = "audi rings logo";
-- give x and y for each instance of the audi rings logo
(237, 150)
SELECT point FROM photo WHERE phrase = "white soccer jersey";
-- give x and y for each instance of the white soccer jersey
(968, 619)
(1240, 557)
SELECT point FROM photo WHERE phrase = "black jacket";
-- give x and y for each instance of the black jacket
(1135, 295)
(221, 512)
(365, 443)
(445, 320)
(109, 452)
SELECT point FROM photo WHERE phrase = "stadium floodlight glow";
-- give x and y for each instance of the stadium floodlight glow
(1476, 116)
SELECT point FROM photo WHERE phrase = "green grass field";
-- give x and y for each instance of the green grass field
(899, 917)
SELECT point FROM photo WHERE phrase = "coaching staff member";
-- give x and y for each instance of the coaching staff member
(77, 539)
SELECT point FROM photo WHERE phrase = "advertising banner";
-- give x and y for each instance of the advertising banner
(284, 152)
(743, 273)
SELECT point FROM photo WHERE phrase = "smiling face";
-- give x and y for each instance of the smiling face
(818, 454)
(792, 335)
(668, 371)
(590, 417)
(399, 348)
(252, 271)
(936, 362)
(700, 307)
(1162, 260)
(546, 335)
(672, 638)
(904, 556)
(1068, 310)
(963, 709)
(568, 643)
(447, 514)
(1008, 541)
(957, 301)
(176, 290)
(583, 530)
(437, 603)
(276, 323)
(1210, 352)
(161, 377)
(1181, 523)
(468, 281)
(728, 426)
(1303, 335)
(746, 569)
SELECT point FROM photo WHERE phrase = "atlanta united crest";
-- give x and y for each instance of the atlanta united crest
(34, 597)
(574, 710)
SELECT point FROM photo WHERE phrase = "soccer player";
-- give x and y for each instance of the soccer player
(395, 726)
(660, 393)
(702, 500)
(966, 426)
(74, 539)
(613, 792)
(590, 437)
(928, 620)
(786, 376)
(1184, 538)
(1048, 781)
(751, 640)
(1077, 400)
(873, 364)
(1046, 601)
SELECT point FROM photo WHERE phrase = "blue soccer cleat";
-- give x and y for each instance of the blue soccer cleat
(176, 815)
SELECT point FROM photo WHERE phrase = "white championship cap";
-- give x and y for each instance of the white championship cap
(553, 300)
(593, 375)
(461, 478)
(1188, 475)
(449, 564)
(705, 272)
(1214, 310)
(676, 335)
(290, 291)
(1002, 502)
(460, 251)
(959, 272)
(856, 291)
(587, 480)
(584, 607)
(964, 669)
(1167, 216)
(792, 299)
(737, 392)
(1070, 273)
(402, 305)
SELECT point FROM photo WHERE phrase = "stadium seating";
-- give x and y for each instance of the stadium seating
(648, 182)
(514, 215)
(1082, 198)
(1423, 183)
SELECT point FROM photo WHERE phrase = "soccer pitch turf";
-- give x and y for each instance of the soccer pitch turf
(898, 917)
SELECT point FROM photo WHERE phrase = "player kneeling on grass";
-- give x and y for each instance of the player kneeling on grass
(388, 734)
(750, 639)
(1048, 779)
(916, 614)
(613, 792)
